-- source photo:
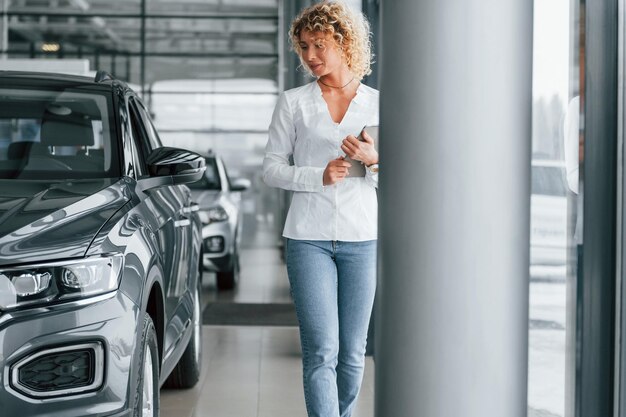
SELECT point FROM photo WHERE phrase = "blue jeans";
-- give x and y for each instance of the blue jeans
(333, 285)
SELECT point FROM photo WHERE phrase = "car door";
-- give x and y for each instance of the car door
(172, 204)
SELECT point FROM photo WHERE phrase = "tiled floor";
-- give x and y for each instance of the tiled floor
(253, 371)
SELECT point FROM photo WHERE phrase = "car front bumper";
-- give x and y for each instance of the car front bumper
(218, 259)
(108, 320)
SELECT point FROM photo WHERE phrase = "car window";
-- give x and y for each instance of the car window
(230, 184)
(154, 141)
(57, 134)
(143, 138)
(211, 178)
(138, 152)
(548, 181)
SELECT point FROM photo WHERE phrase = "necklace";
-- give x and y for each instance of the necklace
(333, 86)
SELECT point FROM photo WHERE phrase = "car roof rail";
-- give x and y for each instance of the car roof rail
(103, 76)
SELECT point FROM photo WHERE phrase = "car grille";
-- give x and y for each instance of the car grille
(60, 371)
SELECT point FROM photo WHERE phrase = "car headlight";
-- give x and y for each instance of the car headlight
(214, 214)
(56, 281)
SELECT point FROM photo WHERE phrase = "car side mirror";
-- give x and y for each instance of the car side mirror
(240, 184)
(170, 166)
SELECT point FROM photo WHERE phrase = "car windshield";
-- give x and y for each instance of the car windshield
(57, 134)
(211, 178)
(547, 180)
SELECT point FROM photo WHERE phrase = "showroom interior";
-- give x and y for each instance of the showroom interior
(501, 196)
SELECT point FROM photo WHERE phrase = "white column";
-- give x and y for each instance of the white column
(452, 320)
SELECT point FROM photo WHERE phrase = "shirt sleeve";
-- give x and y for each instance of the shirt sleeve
(277, 171)
(371, 178)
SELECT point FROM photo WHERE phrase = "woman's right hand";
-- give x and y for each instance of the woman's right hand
(336, 171)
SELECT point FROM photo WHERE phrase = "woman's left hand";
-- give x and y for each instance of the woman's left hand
(363, 151)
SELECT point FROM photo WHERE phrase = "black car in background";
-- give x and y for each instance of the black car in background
(100, 251)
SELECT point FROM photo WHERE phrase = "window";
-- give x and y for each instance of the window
(548, 180)
(151, 134)
(57, 134)
(138, 153)
(554, 221)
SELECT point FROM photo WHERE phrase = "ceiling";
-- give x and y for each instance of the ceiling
(182, 39)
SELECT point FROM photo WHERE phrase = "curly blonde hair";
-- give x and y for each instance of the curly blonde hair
(350, 30)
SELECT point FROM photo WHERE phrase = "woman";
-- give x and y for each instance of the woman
(331, 225)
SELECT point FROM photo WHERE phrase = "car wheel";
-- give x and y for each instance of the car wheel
(147, 394)
(227, 280)
(187, 371)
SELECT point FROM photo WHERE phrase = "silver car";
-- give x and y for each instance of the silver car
(219, 200)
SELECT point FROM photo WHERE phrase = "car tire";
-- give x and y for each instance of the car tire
(147, 394)
(227, 280)
(187, 371)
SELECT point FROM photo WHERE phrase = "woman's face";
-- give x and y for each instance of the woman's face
(320, 52)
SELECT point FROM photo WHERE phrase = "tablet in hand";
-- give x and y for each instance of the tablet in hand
(358, 168)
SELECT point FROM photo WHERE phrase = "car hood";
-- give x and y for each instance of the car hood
(47, 220)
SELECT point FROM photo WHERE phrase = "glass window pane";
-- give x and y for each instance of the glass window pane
(554, 200)
(74, 35)
(206, 36)
(212, 6)
(191, 67)
(83, 6)
(210, 106)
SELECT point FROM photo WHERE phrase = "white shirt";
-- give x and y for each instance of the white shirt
(303, 128)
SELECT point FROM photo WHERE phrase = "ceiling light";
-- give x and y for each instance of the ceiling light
(50, 47)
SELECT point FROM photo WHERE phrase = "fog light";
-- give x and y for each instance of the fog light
(60, 371)
(214, 244)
